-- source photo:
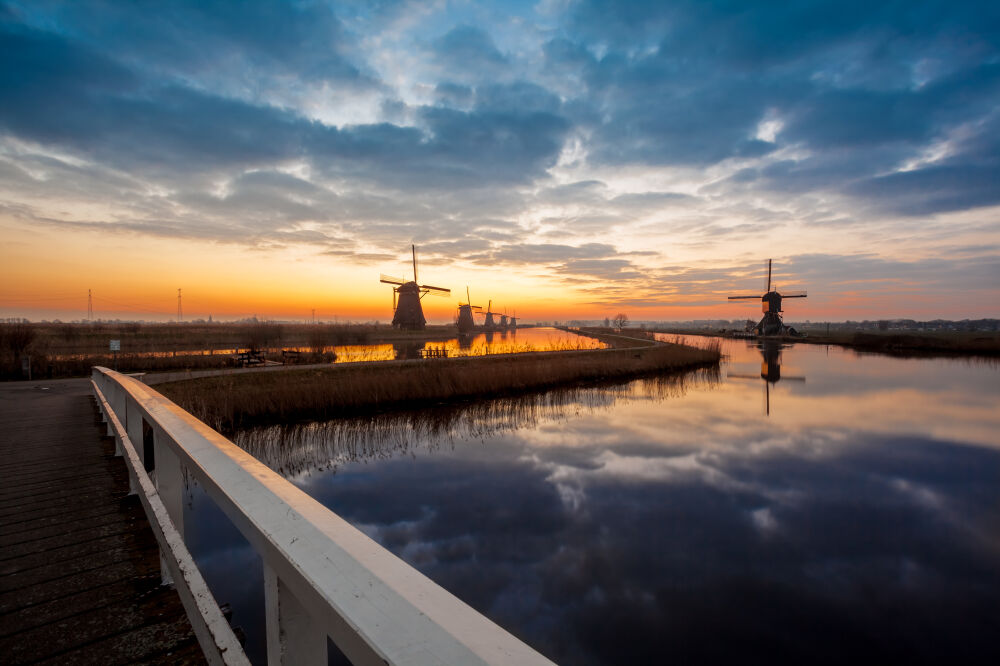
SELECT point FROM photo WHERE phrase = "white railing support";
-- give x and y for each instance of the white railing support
(323, 577)
(293, 637)
(169, 476)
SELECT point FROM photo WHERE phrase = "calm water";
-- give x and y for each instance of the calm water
(847, 509)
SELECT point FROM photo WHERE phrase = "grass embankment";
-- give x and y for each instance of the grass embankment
(228, 401)
(895, 343)
(913, 344)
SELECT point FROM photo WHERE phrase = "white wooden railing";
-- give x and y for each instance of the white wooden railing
(322, 577)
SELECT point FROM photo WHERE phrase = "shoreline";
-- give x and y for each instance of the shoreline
(985, 344)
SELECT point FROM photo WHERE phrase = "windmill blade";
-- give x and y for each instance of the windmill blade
(737, 298)
(786, 378)
(414, 247)
(795, 294)
(736, 376)
(430, 288)
(768, 275)
(443, 293)
(388, 279)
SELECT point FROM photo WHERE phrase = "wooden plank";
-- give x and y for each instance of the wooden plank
(79, 566)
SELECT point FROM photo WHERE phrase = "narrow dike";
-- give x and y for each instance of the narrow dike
(230, 401)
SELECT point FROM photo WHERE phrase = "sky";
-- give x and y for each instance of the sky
(562, 158)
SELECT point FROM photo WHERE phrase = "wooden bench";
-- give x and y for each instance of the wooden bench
(249, 359)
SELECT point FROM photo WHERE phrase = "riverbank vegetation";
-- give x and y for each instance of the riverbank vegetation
(895, 343)
(229, 401)
(920, 344)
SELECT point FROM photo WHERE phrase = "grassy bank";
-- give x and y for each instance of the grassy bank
(913, 343)
(229, 401)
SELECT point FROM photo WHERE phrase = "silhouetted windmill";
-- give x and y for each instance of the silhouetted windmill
(406, 310)
(770, 370)
(771, 323)
(466, 322)
(513, 321)
(490, 324)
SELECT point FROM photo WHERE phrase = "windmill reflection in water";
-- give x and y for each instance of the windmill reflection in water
(770, 369)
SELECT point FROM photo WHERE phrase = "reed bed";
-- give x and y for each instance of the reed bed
(299, 448)
(230, 401)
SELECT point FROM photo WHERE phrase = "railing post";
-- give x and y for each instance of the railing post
(169, 479)
(133, 428)
(110, 391)
(116, 398)
(292, 636)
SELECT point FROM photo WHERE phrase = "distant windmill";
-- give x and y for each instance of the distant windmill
(406, 296)
(466, 322)
(513, 321)
(490, 324)
(771, 323)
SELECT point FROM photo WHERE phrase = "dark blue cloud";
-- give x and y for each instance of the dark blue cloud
(190, 38)
(688, 83)
(64, 93)
(468, 48)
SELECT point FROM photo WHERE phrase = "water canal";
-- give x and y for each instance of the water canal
(804, 504)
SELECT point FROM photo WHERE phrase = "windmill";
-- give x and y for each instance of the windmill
(513, 321)
(771, 323)
(770, 370)
(503, 322)
(466, 322)
(490, 324)
(406, 310)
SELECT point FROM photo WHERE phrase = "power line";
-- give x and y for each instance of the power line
(180, 316)
(90, 306)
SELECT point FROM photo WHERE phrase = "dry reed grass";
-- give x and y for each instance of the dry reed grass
(293, 449)
(230, 401)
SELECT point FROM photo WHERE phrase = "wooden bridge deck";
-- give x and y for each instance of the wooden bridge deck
(79, 566)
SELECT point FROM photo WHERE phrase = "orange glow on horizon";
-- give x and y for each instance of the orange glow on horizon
(136, 277)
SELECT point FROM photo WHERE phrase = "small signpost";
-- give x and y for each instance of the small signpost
(116, 346)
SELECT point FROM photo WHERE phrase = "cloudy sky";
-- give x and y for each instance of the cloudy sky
(565, 158)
